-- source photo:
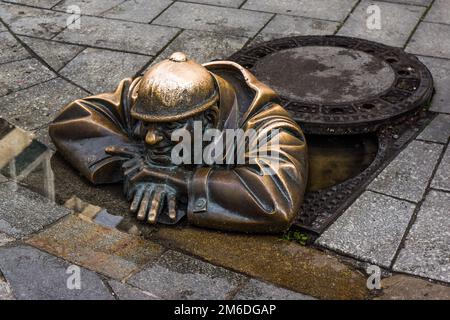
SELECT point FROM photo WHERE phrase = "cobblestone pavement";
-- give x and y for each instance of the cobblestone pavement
(49, 56)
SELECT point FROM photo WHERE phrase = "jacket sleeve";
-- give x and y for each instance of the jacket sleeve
(85, 127)
(262, 197)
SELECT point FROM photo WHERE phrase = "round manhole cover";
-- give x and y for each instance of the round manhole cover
(340, 85)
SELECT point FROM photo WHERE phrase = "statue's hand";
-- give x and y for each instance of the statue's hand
(149, 199)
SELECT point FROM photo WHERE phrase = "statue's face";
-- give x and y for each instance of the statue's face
(158, 135)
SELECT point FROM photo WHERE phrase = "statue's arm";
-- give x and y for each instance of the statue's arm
(85, 127)
(246, 199)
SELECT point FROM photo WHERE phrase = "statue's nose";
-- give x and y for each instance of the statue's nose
(152, 137)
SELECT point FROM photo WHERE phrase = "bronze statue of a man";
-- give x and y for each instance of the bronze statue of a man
(128, 136)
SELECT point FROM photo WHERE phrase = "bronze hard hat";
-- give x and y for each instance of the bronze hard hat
(174, 89)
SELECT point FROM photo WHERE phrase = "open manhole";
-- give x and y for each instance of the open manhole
(358, 102)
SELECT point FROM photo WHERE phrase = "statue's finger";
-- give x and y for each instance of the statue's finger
(172, 205)
(156, 206)
(137, 199)
(120, 151)
(144, 204)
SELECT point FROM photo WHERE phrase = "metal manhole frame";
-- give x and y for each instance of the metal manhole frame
(413, 87)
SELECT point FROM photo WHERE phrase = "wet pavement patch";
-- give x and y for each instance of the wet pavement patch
(107, 251)
(283, 263)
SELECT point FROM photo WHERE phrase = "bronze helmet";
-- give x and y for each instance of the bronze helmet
(174, 89)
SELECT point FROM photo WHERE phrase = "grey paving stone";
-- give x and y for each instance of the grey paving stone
(407, 175)
(119, 35)
(371, 229)
(285, 26)
(225, 3)
(11, 49)
(426, 251)
(335, 10)
(438, 130)
(397, 23)
(177, 276)
(89, 7)
(100, 70)
(203, 46)
(34, 107)
(440, 68)
(54, 53)
(32, 21)
(22, 74)
(46, 4)
(4, 239)
(258, 290)
(23, 212)
(229, 21)
(137, 10)
(439, 12)
(36, 275)
(442, 177)
(431, 39)
(124, 291)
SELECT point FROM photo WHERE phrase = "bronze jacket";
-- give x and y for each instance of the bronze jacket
(235, 198)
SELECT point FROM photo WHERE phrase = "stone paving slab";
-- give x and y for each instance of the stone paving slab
(407, 176)
(241, 23)
(119, 35)
(401, 287)
(36, 106)
(286, 26)
(204, 46)
(281, 262)
(3, 178)
(371, 229)
(21, 74)
(124, 291)
(397, 23)
(442, 177)
(258, 290)
(54, 53)
(440, 69)
(425, 252)
(36, 275)
(137, 10)
(100, 70)
(107, 251)
(439, 12)
(335, 10)
(31, 21)
(178, 276)
(11, 49)
(23, 212)
(46, 4)
(438, 130)
(431, 39)
(88, 7)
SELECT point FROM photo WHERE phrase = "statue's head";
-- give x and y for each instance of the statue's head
(172, 95)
